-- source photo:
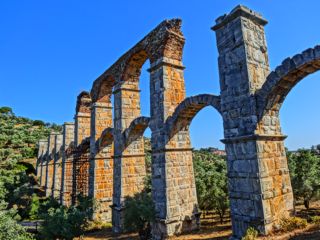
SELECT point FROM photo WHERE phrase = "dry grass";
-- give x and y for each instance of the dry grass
(212, 229)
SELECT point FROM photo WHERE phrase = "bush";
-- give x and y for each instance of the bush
(304, 169)
(211, 182)
(9, 228)
(251, 234)
(315, 219)
(61, 222)
(139, 214)
(292, 223)
(6, 111)
(34, 208)
(38, 123)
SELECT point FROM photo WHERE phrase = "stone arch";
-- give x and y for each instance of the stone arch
(163, 47)
(101, 148)
(279, 83)
(135, 130)
(106, 138)
(133, 66)
(187, 110)
(102, 91)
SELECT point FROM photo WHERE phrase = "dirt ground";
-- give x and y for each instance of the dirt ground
(212, 229)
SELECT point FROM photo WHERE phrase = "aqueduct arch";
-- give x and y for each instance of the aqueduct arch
(281, 81)
(101, 150)
(188, 109)
(249, 102)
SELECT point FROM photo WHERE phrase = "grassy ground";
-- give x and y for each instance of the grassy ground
(212, 229)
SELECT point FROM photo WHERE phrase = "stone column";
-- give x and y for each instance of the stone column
(40, 158)
(41, 163)
(101, 162)
(259, 183)
(57, 170)
(129, 161)
(81, 159)
(67, 163)
(173, 183)
(50, 164)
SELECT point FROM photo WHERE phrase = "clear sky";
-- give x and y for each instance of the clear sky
(52, 50)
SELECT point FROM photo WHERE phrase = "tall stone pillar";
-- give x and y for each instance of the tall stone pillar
(129, 161)
(41, 163)
(259, 183)
(81, 156)
(50, 164)
(173, 183)
(101, 161)
(57, 167)
(67, 163)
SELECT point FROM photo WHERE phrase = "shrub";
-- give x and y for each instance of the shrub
(251, 234)
(34, 208)
(139, 214)
(304, 169)
(61, 222)
(315, 219)
(98, 225)
(292, 223)
(38, 123)
(9, 228)
(211, 181)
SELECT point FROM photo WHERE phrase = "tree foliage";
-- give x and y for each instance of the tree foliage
(211, 182)
(304, 166)
(9, 228)
(18, 141)
(61, 222)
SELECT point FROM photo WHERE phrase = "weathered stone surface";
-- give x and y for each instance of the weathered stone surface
(57, 168)
(41, 161)
(67, 163)
(104, 157)
(259, 183)
(50, 164)
(101, 161)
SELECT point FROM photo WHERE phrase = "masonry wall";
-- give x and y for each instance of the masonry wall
(57, 171)
(108, 164)
(129, 161)
(173, 183)
(67, 163)
(43, 145)
(50, 164)
(259, 189)
(81, 154)
(101, 162)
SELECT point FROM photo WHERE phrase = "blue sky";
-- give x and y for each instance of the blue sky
(52, 50)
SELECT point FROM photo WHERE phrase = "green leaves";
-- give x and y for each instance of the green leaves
(9, 229)
(211, 182)
(61, 222)
(304, 167)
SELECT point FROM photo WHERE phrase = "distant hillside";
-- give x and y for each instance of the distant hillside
(19, 135)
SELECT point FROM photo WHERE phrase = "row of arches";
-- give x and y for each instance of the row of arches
(249, 104)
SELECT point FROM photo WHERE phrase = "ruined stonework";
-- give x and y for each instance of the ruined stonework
(67, 163)
(57, 167)
(82, 144)
(107, 159)
(50, 164)
(41, 161)
(101, 158)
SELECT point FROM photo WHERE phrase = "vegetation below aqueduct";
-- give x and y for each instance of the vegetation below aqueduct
(21, 199)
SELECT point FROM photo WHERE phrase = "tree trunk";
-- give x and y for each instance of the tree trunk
(306, 203)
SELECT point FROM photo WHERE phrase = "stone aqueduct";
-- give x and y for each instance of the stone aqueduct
(102, 154)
